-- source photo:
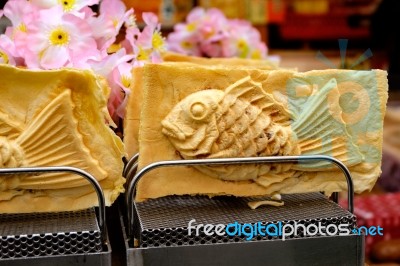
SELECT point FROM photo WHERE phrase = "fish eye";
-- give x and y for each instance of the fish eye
(198, 111)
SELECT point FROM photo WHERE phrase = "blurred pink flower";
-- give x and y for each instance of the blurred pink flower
(185, 44)
(243, 41)
(57, 39)
(106, 65)
(150, 42)
(122, 76)
(214, 25)
(21, 14)
(44, 3)
(107, 25)
(70, 6)
(115, 10)
(103, 31)
(186, 37)
(7, 51)
(211, 49)
(209, 33)
(151, 20)
(116, 69)
(260, 51)
(129, 43)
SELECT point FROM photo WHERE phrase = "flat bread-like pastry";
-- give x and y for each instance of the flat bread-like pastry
(56, 118)
(195, 112)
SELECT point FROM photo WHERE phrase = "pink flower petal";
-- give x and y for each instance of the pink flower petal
(81, 45)
(113, 8)
(88, 12)
(156, 57)
(79, 4)
(74, 52)
(131, 36)
(52, 16)
(196, 14)
(44, 3)
(123, 19)
(145, 38)
(150, 19)
(76, 7)
(54, 57)
(123, 70)
(107, 64)
(122, 107)
(103, 31)
(6, 44)
(7, 47)
(19, 12)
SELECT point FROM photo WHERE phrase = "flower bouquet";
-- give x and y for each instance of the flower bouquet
(209, 33)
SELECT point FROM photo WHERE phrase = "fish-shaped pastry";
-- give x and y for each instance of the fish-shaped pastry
(52, 138)
(245, 121)
(56, 118)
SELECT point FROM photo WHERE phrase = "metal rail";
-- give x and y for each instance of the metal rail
(232, 161)
(130, 163)
(73, 170)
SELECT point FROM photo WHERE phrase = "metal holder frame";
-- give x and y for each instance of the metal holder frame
(103, 257)
(324, 250)
(57, 169)
(132, 166)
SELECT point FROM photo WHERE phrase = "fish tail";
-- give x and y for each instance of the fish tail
(320, 130)
(53, 139)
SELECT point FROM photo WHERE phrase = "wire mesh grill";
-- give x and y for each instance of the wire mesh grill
(164, 221)
(45, 234)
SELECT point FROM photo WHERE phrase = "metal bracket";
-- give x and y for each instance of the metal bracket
(131, 168)
(56, 169)
(131, 191)
(130, 165)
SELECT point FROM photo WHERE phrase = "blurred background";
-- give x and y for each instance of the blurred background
(297, 29)
(321, 34)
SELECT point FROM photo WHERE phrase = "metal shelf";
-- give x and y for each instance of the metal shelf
(155, 231)
(56, 238)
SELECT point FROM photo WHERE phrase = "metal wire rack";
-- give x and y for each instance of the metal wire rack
(57, 237)
(159, 227)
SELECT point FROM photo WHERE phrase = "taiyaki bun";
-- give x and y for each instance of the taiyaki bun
(56, 118)
(192, 111)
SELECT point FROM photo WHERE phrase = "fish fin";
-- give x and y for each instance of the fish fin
(320, 130)
(53, 139)
(248, 90)
(9, 127)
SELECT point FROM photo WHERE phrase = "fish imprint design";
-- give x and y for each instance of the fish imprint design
(51, 139)
(245, 121)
